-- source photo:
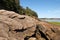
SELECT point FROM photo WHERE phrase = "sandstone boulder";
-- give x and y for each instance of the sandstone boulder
(21, 27)
(15, 25)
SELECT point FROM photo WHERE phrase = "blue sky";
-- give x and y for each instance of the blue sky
(44, 8)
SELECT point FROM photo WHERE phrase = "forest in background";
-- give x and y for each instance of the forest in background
(14, 5)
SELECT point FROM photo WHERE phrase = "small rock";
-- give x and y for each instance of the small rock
(32, 38)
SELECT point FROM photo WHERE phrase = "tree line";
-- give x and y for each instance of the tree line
(14, 5)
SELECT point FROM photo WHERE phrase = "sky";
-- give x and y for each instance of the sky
(44, 8)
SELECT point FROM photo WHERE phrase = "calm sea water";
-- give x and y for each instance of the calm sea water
(53, 20)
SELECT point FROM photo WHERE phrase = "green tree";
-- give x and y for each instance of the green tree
(12, 5)
(30, 12)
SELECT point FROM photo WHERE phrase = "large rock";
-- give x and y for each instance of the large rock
(13, 25)
(21, 27)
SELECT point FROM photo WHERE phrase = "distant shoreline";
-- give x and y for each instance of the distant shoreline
(50, 19)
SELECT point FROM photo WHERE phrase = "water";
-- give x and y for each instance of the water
(53, 20)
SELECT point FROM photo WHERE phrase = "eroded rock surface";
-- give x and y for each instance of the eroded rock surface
(21, 27)
(16, 26)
